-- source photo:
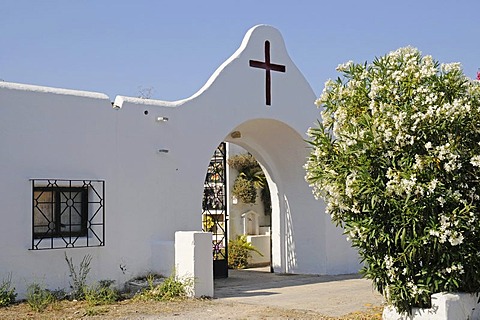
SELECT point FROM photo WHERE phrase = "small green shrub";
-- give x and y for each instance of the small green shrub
(79, 277)
(239, 251)
(101, 293)
(59, 294)
(171, 288)
(39, 298)
(7, 293)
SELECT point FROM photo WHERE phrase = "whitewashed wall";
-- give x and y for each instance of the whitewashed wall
(56, 133)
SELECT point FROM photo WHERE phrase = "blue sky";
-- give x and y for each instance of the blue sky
(117, 47)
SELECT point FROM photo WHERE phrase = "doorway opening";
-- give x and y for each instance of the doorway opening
(237, 210)
(215, 209)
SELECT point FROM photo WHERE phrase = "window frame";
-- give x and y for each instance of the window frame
(57, 213)
(90, 234)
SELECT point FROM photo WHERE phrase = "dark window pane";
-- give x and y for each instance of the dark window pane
(43, 212)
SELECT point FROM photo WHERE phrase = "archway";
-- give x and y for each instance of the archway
(282, 152)
(236, 209)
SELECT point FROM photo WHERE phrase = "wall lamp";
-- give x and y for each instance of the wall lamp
(162, 119)
(236, 134)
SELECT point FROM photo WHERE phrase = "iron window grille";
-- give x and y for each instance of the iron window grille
(67, 213)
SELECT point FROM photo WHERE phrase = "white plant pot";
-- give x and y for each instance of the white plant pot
(445, 306)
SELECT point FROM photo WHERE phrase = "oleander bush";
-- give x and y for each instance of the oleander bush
(396, 157)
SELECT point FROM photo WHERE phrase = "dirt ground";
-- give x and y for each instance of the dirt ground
(180, 309)
(250, 294)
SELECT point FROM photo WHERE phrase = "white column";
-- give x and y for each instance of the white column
(193, 260)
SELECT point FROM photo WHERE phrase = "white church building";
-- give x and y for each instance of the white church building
(81, 175)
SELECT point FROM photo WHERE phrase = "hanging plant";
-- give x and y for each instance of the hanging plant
(242, 162)
(244, 190)
(250, 179)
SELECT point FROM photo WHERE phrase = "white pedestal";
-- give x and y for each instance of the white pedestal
(193, 259)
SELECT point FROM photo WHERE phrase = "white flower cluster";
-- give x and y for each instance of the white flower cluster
(344, 66)
(415, 291)
(475, 161)
(447, 155)
(391, 125)
(405, 187)
(350, 184)
(392, 271)
(393, 276)
(356, 233)
(454, 268)
(451, 67)
(335, 199)
(447, 231)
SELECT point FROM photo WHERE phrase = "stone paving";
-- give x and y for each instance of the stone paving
(327, 295)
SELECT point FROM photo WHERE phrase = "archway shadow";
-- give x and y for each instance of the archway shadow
(255, 282)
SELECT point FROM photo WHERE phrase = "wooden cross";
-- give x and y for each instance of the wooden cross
(267, 66)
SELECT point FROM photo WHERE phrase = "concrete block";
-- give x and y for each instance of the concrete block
(262, 244)
(193, 259)
(445, 306)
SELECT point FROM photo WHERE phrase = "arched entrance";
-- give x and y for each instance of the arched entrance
(281, 152)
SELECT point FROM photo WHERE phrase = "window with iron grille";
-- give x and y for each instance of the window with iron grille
(67, 213)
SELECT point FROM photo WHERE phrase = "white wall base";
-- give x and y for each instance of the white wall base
(193, 259)
(262, 244)
(163, 257)
(445, 306)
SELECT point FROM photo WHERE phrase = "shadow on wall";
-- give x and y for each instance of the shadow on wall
(289, 239)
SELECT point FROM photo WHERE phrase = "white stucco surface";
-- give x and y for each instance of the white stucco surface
(149, 195)
(193, 262)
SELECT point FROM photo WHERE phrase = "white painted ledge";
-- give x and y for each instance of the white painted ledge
(52, 90)
(445, 306)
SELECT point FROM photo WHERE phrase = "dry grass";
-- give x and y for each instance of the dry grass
(178, 309)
